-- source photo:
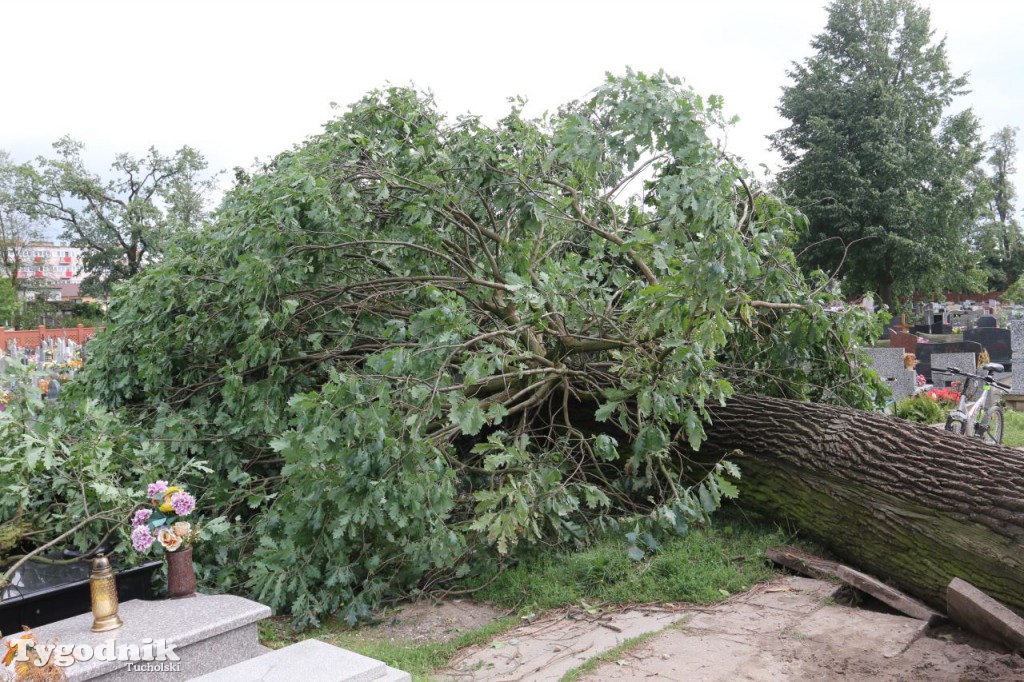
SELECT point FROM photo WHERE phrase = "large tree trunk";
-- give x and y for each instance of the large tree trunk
(911, 504)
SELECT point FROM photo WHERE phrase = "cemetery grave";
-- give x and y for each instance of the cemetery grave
(51, 363)
(944, 330)
(327, 377)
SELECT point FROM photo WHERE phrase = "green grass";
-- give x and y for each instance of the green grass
(419, 660)
(613, 654)
(1013, 429)
(705, 566)
(701, 567)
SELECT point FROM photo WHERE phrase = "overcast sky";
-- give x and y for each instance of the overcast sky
(246, 80)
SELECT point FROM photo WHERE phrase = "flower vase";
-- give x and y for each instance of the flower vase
(181, 577)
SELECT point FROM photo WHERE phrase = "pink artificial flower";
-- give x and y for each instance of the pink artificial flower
(141, 517)
(156, 489)
(142, 538)
(182, 503)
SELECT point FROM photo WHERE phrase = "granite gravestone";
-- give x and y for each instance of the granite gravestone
(932, 329)
(908, 342)
(940, 361)
(1017, 352)
(995, 340)
(888, 362)
(986, 321)
(925, 352)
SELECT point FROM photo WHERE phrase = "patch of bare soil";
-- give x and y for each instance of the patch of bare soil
(427, 621)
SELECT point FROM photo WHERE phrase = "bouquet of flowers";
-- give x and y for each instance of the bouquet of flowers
(164, 521)
(32, 670)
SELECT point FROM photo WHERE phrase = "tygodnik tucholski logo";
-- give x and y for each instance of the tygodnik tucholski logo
(151, 655)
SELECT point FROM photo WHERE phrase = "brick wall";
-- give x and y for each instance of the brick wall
(30, 338)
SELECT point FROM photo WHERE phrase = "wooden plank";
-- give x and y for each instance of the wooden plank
(887, 594)
(802, 562)
(974, 610)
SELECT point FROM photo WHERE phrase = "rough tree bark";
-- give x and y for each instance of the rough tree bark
(908, 503)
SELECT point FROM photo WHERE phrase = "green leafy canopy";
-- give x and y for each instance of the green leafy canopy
(414, 344)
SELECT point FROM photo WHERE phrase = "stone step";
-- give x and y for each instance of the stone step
(310, 661)
(207, 632)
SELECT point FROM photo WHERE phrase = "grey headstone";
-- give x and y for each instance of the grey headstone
(987, 321)
(888, 362)
(941, 361)
(1017, 351)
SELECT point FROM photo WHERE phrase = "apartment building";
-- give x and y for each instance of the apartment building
(49, 261)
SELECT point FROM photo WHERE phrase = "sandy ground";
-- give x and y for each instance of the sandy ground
(431, 621)
(791, 629)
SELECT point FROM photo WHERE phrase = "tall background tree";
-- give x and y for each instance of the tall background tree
(17, 228)
(8, 302)
(891, 188)
(1000, 244)
(122, 223)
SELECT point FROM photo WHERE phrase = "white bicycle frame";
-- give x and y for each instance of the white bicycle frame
(968, 411)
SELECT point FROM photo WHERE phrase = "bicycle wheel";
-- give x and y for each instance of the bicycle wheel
(957, 426)
(993, 431)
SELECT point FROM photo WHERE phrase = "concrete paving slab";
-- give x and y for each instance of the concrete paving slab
(859, 631)
(974, 610)
(684, 657)
(743, 618)
(552, 646)
(787, 631)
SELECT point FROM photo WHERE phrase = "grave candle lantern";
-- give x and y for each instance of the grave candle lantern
(103, 589)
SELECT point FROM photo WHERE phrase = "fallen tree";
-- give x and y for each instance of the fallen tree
(906, 502)
(413, 345)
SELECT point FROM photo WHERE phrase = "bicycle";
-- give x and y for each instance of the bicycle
(964, 418)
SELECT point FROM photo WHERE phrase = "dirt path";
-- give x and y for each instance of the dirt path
(789, 630)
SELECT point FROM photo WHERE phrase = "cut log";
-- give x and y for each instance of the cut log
(910, 504)
(972, 609)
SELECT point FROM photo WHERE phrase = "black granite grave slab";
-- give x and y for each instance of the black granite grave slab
(933, 329)
(995, 340)
(42, 593)
(926, 350)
